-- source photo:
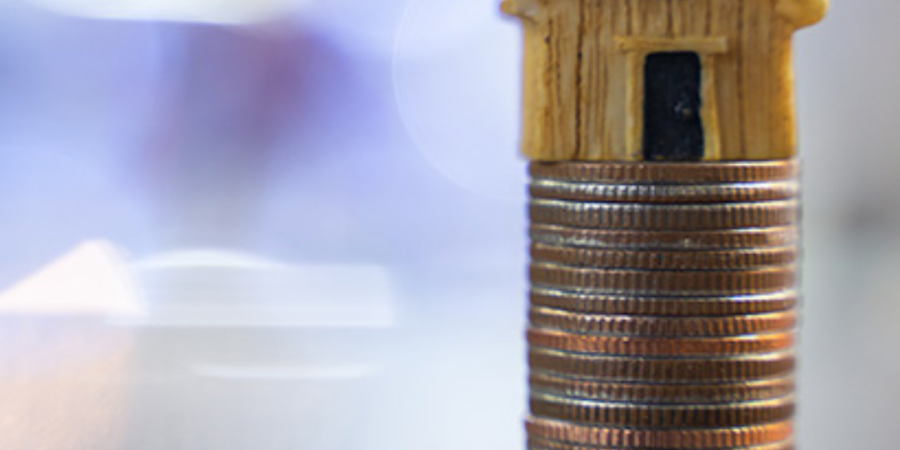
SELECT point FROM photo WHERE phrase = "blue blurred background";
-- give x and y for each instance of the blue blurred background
(281, 224)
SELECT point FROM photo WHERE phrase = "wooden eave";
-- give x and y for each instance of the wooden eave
(801, 13)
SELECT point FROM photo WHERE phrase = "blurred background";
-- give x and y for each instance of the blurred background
(281, 224)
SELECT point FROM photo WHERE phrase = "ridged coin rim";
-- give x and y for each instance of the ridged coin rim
(687, 370)
(742, 259)
(650, 346)
(535, 443)
(635, 216)
(684, 327)
(708, 283)
(636, 415)
(751, 238)
(667, 173)
(694, 193)
(707, 439)
(694, 394)
(712, 306)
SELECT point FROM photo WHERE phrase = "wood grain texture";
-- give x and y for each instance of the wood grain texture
(584, 64)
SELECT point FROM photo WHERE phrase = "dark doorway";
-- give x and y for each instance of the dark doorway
(673, 129)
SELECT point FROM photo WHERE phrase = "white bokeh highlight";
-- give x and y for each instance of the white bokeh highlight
(456, 81)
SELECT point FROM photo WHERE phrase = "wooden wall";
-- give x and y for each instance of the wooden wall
(577, 79)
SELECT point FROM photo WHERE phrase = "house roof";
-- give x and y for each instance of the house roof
(801, 12)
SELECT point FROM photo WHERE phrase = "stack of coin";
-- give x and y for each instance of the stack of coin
(663, 305)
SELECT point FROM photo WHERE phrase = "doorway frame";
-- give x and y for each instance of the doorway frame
(637, 49)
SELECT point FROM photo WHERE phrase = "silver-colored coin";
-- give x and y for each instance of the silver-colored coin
(636, 216)
(638, 415)
(666, 173)
(668, 283)
(641, 305)
(631, 193)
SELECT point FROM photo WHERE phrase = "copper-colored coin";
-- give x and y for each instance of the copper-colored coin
(675, 347)
(580, 302)
(635, 216)
(701, 394)
(664, 282)
(685, 370)
(753, 238)
(545, 444)
(631, 193)
(666, 173)
(634, 415)
(716, 438)
(683, 327)
(665, 259)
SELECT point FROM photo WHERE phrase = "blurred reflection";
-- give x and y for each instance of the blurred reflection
(240, 352)
(221, 289)
(229, 101)
(64, 371)
(210, 11)
(92, 279)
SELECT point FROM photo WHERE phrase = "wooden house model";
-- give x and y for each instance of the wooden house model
(665, 80)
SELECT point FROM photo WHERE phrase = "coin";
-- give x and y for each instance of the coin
(684, 327)
(637, 415)
(700, 394)
(666, 173)
(637, 216)
(747, 238)
(668, 370)
(708, 439)
(696, 193)
(674, 347)
(697, 283)
(665, 259)
(701, 306)
(545, 444)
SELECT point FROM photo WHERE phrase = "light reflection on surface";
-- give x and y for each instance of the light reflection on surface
(203, 11)
(64, 371)
(227, 289)
(239, 350)
(225, 348)
(92, 279)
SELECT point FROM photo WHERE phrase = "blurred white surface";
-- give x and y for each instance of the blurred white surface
(203, 11)
(223, 289)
